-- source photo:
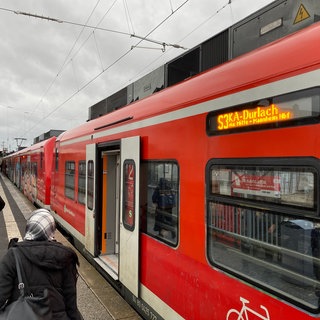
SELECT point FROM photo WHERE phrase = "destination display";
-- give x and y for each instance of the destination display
(249, 117)
(300, 107)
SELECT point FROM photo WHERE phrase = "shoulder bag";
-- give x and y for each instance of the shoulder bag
(26, 307)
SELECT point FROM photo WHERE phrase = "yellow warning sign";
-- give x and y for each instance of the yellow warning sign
(302, 14)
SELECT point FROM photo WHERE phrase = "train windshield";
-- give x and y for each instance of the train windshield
(262, 225)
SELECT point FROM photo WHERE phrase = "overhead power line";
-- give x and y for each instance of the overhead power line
(65, 60)
(113, 63)
(164, 44)
(37, 16)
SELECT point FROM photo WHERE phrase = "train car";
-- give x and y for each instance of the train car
(30, 170)
(202, 200)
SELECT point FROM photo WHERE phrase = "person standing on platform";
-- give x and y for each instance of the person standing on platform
(47, 264)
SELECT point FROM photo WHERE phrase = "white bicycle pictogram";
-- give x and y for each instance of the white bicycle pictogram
(243, 314)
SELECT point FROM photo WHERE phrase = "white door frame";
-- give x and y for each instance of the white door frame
(90, 214)
(129, 239)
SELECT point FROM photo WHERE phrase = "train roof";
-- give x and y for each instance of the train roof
(32, 148)
(284, 57)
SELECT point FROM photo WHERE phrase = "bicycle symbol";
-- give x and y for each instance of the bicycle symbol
(243, 314)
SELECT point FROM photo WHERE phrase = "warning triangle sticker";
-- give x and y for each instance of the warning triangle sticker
(302, 14)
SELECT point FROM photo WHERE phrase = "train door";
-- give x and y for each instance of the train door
(90, 199)
(118, 204)
(109, 198)
(129, 214)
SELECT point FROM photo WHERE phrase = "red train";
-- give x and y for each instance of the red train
(30, 169)
(202, 200)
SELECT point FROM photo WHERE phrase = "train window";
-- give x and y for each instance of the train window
(41, 157)
(160, 200)
(129, 170)
(57, 159)
(23, 171)
(34, 170)
(296, 108)
(69, 179)
(82, 182)
(266, 230)
(283, 185)
(29, 164)
(90, 185)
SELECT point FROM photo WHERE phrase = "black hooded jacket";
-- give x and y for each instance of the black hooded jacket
(46, 265)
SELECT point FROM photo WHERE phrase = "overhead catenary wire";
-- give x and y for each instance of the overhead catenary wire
(83, 43)
(171, 7)
(86, 25)
(128, 17)
(94, 27)
(130, 33)
(65, 60)
(37, 16)
(199, 26)
(107, 68)
(209, 18)
(98, 51)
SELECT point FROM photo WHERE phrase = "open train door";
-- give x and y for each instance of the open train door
(129, 214)
(90, 203)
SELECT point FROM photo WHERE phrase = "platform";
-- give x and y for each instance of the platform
(97, 299)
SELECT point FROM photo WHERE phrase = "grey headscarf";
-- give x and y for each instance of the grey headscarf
(40, 226)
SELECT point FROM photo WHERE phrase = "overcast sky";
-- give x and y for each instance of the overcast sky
(52, 72)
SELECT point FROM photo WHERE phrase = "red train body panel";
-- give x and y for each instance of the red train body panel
(200, 268)
(31, 171)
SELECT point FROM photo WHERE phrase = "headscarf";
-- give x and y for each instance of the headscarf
(40, 226)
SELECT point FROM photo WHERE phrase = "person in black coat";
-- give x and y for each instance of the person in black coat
(47, 264)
